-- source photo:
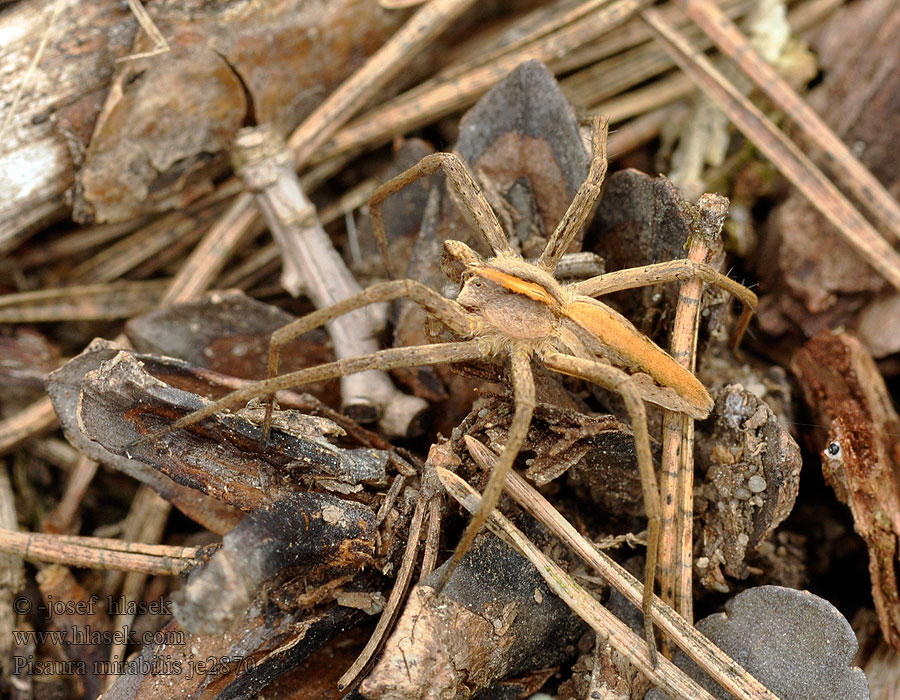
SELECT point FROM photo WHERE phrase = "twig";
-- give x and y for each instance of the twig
(677, 463)
(844, 167)
(723, 669)
(62, 517)
(99, 553)
(379, 70)
(439, 97)
(90, 302)
(12, 576)
(606, 625)
(786, 156)
(310, 262)
(160, 45)
(151, 513)
(24, 425)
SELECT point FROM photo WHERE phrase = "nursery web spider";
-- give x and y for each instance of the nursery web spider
(515, 309)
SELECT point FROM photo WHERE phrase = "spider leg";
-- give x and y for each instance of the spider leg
(391, 358)
(448, 311)
(617, 380)
(671, 271)
(468, 195)
(584, 200)
(524, 394)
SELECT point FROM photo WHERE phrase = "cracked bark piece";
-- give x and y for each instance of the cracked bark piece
(860, 454)
(240, 663)
(796, 644)
(64, 388)
(169, 119)
(495, 618)
(224, 456)
(751, 482)
(317, 536)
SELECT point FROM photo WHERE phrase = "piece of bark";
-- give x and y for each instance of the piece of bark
(59, 105)
(812, 279)
(316, 536)
(493, 619)
(860, 454)
(752, 477)
(241, 663)
(85, 627)
(165, 130)
(223, 456)
(64, 387)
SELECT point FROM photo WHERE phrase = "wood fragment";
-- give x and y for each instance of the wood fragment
(861, 454)
(98, 555)
(677, 464)
(317, 536)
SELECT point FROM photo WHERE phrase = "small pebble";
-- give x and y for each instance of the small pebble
(756, 483)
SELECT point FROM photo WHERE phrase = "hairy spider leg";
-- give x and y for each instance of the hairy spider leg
(469, 199)
(584, 200)
(446, 310)
(619, 381)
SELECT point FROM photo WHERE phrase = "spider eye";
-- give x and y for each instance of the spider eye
(833, 449)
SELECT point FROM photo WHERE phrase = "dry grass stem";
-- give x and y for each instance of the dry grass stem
(378, 71)
(439, 97)
(677, 463)
(24, 425)
(783, 153)
(63, 517)
(844, 167)
(160, 45)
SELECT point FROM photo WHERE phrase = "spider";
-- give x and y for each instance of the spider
(512, 309)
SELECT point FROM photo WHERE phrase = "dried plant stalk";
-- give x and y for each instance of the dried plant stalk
(100, 553)
(786, 156)
(677, 467)
(607, 626)
(846, 168)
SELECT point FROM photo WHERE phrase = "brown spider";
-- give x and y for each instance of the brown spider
(515, 309)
